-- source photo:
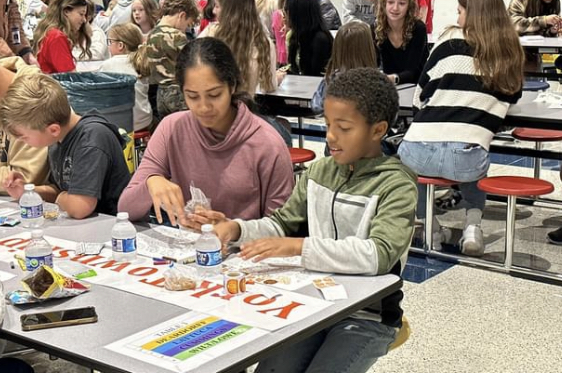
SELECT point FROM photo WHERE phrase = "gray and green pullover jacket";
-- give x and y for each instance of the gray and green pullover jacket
(357, 219)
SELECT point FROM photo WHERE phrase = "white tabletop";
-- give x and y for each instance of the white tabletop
(298, 87)
(529, 41)
(122, 314)
(526, 113)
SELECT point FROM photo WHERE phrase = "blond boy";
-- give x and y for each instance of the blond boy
(88, 170)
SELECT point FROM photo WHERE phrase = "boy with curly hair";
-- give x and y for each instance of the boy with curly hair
(358, 207)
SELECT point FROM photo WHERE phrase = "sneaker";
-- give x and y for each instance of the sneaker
(555, 237)
(449, 201)
(472, 241)
(440, 236)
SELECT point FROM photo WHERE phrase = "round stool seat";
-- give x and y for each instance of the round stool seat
(532, 134)
(535, 85)
(515, 186)
(141, 134)
(299, 155)
(437, 181)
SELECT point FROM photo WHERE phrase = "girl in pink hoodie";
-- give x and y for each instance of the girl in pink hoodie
(237, 159)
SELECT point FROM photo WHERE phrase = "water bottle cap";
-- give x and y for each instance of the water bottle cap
(29, 187)
(123, 215)
(206, 228)
(37, 233)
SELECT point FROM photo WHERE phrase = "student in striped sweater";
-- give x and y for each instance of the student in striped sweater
(474, 73)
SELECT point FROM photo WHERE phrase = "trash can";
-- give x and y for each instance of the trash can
(112, 94)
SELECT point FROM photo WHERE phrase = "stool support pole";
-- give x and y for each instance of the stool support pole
(301, 137)
(538, 163)
(510, 231)
(430, 194)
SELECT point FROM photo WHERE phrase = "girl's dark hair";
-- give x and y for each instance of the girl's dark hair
(305, 20)
(540, 8)
(215, 54)
(208, 10)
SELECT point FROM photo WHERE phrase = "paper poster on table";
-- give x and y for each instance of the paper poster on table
(186, 342)
(270, 310)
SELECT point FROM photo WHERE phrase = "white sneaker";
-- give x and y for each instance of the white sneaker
(472, 241)
(441, 235)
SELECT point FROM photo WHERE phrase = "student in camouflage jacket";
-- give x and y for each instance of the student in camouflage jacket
(163, 46)
(535, 16)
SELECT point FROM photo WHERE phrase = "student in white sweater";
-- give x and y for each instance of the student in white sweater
(126, 48)
(473, 74)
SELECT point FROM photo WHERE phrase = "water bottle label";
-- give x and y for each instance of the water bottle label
(31, 212)
(126, 245)
(209, 258)
(34, 262)
(16, 40)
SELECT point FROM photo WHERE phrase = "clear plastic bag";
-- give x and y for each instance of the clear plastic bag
(179, 277)
(198, 199)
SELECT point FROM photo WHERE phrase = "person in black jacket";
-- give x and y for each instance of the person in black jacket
(401, 40)
(330, 15)
(310, 39)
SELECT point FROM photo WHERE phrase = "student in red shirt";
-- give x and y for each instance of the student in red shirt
(425, 14)
(63, 27)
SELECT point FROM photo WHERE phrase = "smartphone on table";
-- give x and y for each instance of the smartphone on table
(53, 319)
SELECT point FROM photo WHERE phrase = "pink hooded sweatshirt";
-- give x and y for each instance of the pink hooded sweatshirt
(247, 175)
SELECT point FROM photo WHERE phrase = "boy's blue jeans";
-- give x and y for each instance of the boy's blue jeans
(462, 162)
(350, 346)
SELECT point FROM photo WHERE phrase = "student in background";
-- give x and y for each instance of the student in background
(16, 155)
(278, 24)
(239, 26)
(474, 73)
(98, 47)
(145, 14)
(330, 15)
(207, 15)
(219, 145)
(310, 43)
(265, 10)
(128, 57)
(63, 27)
(118, 11)
(536, 16)
(360, 10)
(88, 169)
(353, 48)
(425, 14)
(401, 40)
(14, 44)
(358, 207)
(164, 44)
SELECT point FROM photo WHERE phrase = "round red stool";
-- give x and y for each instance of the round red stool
(538, 136)
(513, 187)
(431, 182)
(298, 157)
(141, 141)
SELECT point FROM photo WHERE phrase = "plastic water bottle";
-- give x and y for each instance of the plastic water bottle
(124, 239)
(38, 252)
(31, 208)
(208, 249)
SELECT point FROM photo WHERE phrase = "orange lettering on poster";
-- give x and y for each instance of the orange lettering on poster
(284, 311)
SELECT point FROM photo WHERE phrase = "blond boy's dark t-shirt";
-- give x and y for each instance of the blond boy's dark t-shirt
(89, 161)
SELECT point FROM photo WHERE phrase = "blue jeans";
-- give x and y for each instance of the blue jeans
(351, 345)
(462, 162)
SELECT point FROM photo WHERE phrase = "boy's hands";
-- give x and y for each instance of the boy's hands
(271, 247)
(166, 194)
(202, 216)
(13, 183)
(226, 231)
